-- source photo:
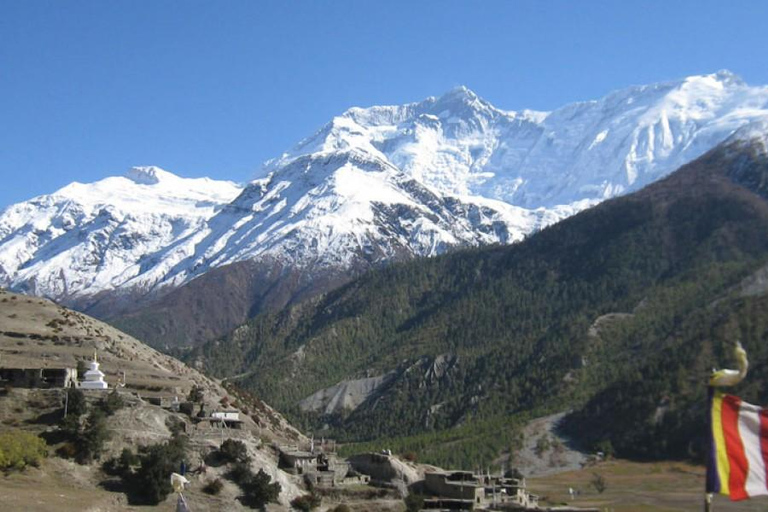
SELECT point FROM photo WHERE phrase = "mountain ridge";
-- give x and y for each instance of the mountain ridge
(373, 185)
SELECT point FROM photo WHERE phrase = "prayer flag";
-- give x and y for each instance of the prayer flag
(738, 455)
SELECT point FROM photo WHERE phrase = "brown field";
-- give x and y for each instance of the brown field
(631, 486)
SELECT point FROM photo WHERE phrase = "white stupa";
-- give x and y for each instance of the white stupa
(94, 378)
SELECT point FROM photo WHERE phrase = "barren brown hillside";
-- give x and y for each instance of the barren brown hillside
(36, 333)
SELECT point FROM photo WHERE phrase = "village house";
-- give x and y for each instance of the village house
(500, 490)
(46, 378)
(319, 465)
(464, 490)
(38, 377)
(453, 490)
(228, 419)
(297, 462)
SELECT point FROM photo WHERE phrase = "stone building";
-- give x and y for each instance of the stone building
(455, 490)
(229, 419)
(319, 466)
(464, 490)
(38, 377)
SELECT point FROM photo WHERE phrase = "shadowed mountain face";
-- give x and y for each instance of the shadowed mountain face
(218, 301)
(579, 315)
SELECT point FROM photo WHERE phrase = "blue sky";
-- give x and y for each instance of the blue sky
(202, 88)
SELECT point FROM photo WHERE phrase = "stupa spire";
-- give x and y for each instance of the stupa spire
(94, 378)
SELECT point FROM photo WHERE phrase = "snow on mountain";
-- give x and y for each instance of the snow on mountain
(374, 184)
(342, 207)
(116, 232)
(459, 144)
(754, 135)
(419, 178)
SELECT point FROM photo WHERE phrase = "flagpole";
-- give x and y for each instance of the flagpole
(710, 451)
(720, 378)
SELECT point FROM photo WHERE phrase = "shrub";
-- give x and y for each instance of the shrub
(260, 490)
(598, 482)
(176, 425)
(177, 448)
(86, 435)
(67, 450)
(196, 394)
(91, 438)
(112, 403)
(342, 508)
(128, 459)
(70, 426)
(514, 473)
(213, 487)
(20, 449)
(542, 445)
(157, 463)
(233, 451)
(153, 475)
(122, 465)
(240, 473)
(76, 404)
(306, 502)
(414, 502)
(150, 482)
(606, 447)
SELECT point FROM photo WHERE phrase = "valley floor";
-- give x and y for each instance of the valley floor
(636, 487)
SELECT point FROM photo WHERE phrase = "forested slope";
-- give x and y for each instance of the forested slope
(478, 339)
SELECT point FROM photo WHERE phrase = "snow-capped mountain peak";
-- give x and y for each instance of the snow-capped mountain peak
(462, 101)
(86, 238)
(149, 175)
(372, 185)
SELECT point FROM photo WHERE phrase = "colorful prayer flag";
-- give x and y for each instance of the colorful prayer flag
(738, 455)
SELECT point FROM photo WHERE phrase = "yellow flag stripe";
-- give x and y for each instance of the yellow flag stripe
(723, 466)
